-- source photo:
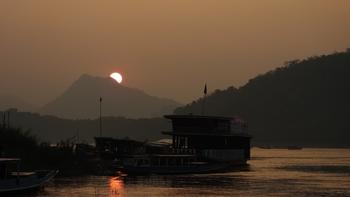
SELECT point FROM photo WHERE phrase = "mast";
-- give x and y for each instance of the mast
(8, 119)
(204, 98)
(100, 116)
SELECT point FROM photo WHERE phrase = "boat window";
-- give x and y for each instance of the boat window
(2, 171)
(223, 126)
(162, 162)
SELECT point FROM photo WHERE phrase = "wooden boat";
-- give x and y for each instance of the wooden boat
(15, 181)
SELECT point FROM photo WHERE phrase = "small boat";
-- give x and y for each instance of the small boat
(12, 180)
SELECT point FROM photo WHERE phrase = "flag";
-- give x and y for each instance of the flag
(205, 88)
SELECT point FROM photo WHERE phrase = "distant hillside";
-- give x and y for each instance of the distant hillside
(81, 100)
(53, 129)
(8, 101)
(305, 102)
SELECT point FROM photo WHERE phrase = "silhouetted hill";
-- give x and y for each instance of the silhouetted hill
(53, 129)
(305, 102)
(8, 101)
(81, 100)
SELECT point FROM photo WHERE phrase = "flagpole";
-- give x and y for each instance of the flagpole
(100, 116)
(203, 105)
(204, 98)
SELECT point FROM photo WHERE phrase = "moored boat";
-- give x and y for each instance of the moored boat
(12, 180)
(200, 144)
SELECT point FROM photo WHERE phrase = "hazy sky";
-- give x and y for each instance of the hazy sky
(167, 48)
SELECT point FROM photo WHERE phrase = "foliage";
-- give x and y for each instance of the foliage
(305, 102)
(16, 143)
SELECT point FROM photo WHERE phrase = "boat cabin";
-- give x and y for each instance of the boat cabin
(215, 138)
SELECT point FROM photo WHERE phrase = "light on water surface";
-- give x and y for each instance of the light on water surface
(116, 186)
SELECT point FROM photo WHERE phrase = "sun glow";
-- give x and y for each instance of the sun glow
(116, 187)
(117, 77)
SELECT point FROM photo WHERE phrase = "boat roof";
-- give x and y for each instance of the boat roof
(191, 116)
(161, 142)
(206, 134)
(9, 160)
(162, 155)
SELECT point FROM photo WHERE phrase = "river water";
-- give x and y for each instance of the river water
(271, 172)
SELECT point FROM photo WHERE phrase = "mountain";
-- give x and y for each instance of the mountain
(81, 100)
(53, 129)
(305, 102)
(10, 101)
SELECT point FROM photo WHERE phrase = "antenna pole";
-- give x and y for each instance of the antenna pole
(8, 119)
(203, 105)
(100, 116)
(204, 98)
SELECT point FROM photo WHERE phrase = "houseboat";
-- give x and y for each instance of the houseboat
(200, 144)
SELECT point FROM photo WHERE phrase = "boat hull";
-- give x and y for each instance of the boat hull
(25, 184)
(195, 169)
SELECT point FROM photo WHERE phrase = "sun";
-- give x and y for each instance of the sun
(117, 77)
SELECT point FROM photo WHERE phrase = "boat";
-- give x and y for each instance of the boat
(12, 180)
(171, 164)
(200, 144)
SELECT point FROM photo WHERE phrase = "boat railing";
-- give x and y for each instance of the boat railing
(189, 151)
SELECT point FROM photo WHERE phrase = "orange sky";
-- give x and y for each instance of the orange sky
(167, 48)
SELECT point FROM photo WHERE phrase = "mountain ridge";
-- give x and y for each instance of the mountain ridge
(52, 129)
(11, 101)
(81, 100)
(304, 102)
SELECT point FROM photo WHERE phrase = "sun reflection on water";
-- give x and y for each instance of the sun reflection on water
(116, 187)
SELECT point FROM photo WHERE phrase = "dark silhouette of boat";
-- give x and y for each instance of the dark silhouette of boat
(200, 144)
(15, 181)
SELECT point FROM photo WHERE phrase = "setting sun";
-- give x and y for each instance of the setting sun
(117, 77)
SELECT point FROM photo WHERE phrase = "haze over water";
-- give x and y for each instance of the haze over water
(272, 172)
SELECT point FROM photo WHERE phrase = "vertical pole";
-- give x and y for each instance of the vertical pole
(100, 116)
(205, 95)
(8, 119)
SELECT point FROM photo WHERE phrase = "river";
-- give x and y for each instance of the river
(271, 172)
